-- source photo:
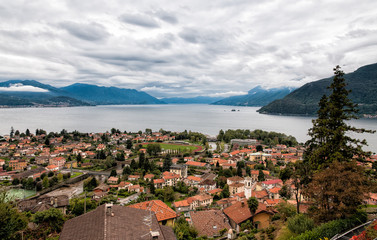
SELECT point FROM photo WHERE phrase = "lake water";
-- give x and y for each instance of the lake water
(208, 119)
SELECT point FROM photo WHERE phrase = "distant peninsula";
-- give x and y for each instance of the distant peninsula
(304, 100)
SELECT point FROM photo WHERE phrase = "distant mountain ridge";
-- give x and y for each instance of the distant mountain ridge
(257, 96)
(194, 100)
(73, 95)
(304, 100)
(109, 95)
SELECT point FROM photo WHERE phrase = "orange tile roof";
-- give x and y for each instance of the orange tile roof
(182, 203)
(214, 191)
(196, 164)
(162, 211)
(193, 178)
(238, 212)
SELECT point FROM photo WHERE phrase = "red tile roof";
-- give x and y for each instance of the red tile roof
(195, 164)
(162, 211)
(238, 212)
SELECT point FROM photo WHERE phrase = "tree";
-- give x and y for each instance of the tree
(151, 187)
(11, 132)
(27, 132)
(300, 224)
(11, 221)
(127, 170)
(330, 135)
(45, 182)
(337, 191)
(259, 148)
(50, 220)
(113, 173)
(78, 158)
(261, 176)
(129, 144)
(90, 184)
(167, 163)
(141, 159)
(286, 210)
(184, 231)
(285, 192)
(225, 193)
(252, 203)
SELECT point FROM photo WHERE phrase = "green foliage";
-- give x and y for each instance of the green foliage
(285, 192)
(183, 231)
(153, 149)
(286, 210)
(225, 193)
(267, 138)
(300, 223)
(330, 135)
(90, 184)
(167, 163)
(252, 203)
(332, 228)
(11, 221)
(77, 205)
(261, 176)
(53, 219)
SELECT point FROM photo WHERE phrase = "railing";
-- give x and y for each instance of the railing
(344, 235)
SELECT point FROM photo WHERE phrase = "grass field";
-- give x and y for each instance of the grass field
(182, 148)
(13, 194)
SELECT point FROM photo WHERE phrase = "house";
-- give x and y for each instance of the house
(272, 183)
(148, 177)
(207, 185)
(57, 161)
(136, 188)
(124, 185)
(210, 222)
(182, 206)
(159, 183)
(196, 164)
(180, 169)
(165, 215)
(60, 202)
(17, 165)
(193, 181)
(101, 188)
(238, 213)
(109, 222)
(274, 192)
(112, 180)
(201, 200)
(133, 177)
(53, 168)
(236, 188)
(235, 179)
(170, 178)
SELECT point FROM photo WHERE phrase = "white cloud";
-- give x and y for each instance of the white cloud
(18, 87)
(185, 48)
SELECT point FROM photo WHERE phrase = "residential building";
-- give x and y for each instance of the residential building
(17, 165)
(209, 222)
(111, 222)
(180, 169)
(165, 215)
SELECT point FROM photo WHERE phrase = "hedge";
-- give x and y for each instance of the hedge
(332, 228)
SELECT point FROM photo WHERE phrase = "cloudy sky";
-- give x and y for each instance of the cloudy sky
(185, 48)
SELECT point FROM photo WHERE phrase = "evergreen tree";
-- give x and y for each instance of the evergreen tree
(261, 176)
(252, 203)
(167, 163)
(141, 159)
(330, 140)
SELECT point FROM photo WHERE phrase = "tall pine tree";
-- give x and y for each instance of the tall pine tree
(330, 135)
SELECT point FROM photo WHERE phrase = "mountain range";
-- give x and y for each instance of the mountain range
(193, 100)
(257, 96)
(304, 100)
(30, 93)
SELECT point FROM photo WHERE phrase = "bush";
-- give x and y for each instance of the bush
(300, 223)
(332, 228)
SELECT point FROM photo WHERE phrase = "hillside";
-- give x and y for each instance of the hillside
(257, 96)
(304, 100)
(194, 100)
(109, 95)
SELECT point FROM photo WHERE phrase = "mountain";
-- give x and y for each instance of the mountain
(304, 100)
(30, 93)
(109, 95)
(194, 100)
(257, 96)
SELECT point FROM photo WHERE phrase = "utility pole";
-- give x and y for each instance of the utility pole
(85, 203)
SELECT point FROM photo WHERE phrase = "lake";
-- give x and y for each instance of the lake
(208, 119)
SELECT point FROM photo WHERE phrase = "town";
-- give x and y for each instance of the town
(165, 185)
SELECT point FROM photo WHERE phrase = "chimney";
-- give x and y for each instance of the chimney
(242, 204)
(109, 210)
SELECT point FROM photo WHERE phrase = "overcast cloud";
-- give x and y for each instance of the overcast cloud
(185, 48)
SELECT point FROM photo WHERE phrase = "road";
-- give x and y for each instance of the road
(105, 173)
(124, 201)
